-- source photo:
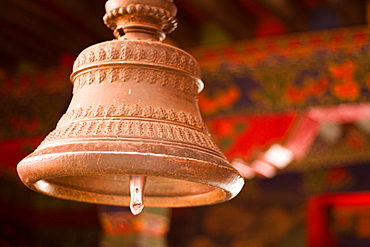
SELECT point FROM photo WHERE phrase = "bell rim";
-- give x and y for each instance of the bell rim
(226, 183)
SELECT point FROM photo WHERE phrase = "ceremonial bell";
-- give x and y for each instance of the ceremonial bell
(133, 130)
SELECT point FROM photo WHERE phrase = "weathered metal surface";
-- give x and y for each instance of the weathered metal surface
(134, 112)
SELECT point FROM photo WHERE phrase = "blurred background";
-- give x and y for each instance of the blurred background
(287, 91)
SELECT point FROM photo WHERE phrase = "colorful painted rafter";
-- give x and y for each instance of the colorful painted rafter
(289, 72)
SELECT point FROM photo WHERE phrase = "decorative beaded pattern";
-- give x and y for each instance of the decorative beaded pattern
(118, 127)
(120, 111)
(138, 52)
(159, 13)
(132, 121)
(138, 75)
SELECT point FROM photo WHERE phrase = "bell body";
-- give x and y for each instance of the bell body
(134, 112)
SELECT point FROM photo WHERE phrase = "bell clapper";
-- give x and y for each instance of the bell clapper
(137, 185)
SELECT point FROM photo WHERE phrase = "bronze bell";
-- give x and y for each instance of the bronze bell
(133, 122)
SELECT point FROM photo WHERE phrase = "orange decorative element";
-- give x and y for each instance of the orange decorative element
(336, 41)
(360, 38)
(345, 86)
(318, 88)
(315, 41)
(221, 101)
(296, 95)
(311, 88)
(224, 127)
